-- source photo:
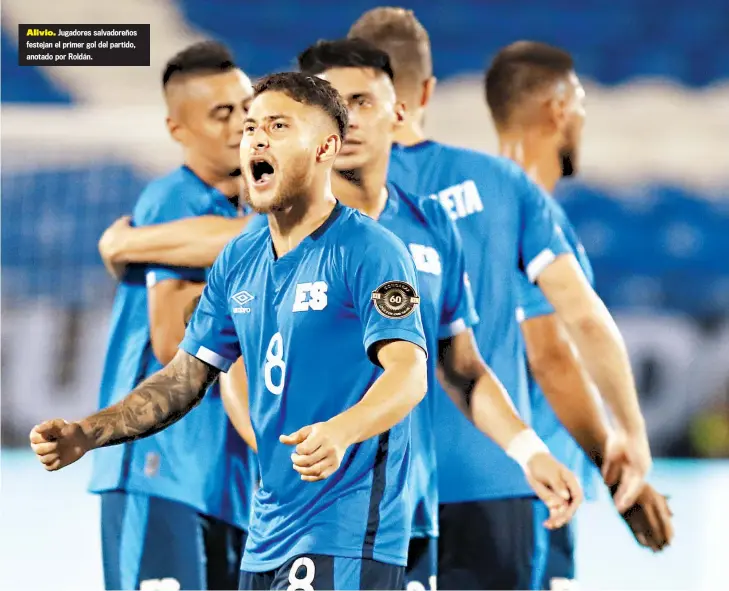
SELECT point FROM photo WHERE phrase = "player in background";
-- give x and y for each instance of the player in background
(363, 76)
(323, 307)
(487, 532)
(175, 505)
(537, 105)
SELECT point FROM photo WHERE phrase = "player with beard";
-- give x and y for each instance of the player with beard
(537, 105)
(322, 305)
(487, 528)
(174, 507)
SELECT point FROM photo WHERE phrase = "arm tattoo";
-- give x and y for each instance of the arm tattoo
(162, 399)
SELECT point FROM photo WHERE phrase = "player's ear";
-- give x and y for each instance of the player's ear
(399, 111)
(558, 108)
(428, 90)
(555, 114)
(329, 149)
(176, 130)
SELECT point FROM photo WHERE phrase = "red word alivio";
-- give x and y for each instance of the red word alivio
(40, 33)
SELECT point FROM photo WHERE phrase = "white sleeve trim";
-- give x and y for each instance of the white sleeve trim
(520, 315)
(454, 328)
(539, 263)
(212, 358)
(151, 278)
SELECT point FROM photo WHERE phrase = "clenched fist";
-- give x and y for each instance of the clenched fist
(58, 443)
(110, 244)
(319, 450)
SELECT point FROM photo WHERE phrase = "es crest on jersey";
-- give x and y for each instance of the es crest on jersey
(395, 299)
(310, 296)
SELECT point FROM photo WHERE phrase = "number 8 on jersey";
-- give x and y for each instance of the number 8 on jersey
(275, 361)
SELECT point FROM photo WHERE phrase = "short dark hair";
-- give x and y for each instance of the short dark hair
(519, 70)
(205, 57)
(308, 90)
(343, 53)
(399, 33)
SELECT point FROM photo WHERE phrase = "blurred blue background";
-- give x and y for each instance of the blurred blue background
(652, 208)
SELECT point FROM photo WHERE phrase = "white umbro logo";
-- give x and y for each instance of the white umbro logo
(242, 298)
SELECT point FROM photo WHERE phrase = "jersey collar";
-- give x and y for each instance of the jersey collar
(392, 205)
(295, 254)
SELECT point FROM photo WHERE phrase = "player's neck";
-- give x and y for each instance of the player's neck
(226, 184)
(538, 158)
(363, 190)
(291, 226)
(411, 133)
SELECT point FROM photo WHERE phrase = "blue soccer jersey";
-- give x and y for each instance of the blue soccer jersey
(446, 307)
(532, 303)
(201, 460)
(306, 325)
(506, 228)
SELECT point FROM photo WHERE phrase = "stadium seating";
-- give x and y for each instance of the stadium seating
(661, 248)
(25, 84)
(52, 221)
(613, 42)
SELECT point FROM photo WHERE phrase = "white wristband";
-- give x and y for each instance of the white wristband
(525, 446)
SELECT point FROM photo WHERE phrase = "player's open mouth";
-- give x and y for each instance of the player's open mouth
(262, 172)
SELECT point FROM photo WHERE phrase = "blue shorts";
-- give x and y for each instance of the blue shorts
(311, 572)
(559, 562)
(152, 543)
(489, 545)
(422, 569)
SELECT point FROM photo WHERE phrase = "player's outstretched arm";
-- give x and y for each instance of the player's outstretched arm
(482, 398)
(190, 242)
(603, 352)
(402, 385)
(156, 403)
